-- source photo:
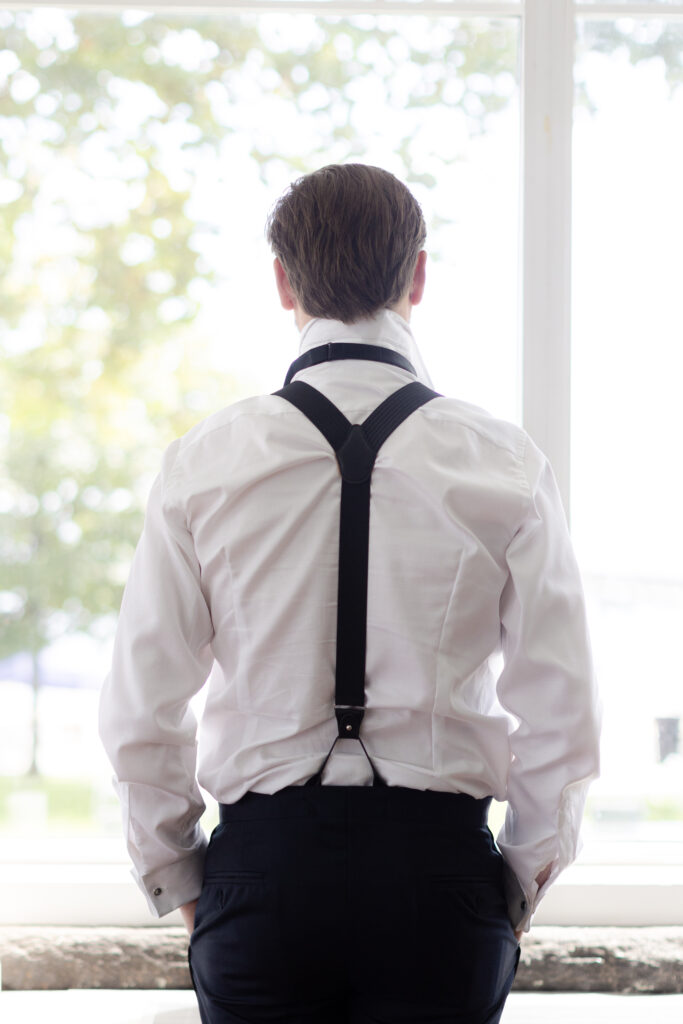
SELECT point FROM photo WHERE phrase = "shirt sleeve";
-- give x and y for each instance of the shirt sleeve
(548, 685)
(162, 657)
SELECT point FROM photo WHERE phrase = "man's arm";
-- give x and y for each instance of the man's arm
(162, 657)
(548, 684)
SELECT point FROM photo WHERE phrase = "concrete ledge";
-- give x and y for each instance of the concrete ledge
(554, 959)
(625, 960)
(61, 957)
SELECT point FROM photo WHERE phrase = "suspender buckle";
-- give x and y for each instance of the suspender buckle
(349, 717)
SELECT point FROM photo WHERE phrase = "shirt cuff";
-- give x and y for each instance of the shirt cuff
(521, 865)
(523, 903)
(520, 902)
(171, 886)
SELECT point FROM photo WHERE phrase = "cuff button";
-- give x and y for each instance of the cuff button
(157, 892)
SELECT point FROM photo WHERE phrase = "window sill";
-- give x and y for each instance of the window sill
(624, 960)
(92, 894)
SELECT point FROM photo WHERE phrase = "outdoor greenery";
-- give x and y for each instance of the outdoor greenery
(71, 807)
(106, 121)
(69, 803)
(76, 807)
(105, 124)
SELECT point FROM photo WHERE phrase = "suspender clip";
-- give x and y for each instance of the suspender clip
(349, 717)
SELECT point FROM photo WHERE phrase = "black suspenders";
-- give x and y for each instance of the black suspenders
(356, 447)
(348, 350)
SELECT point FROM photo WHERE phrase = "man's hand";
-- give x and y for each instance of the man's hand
(542, 876)
(187, 910)
(541, 879)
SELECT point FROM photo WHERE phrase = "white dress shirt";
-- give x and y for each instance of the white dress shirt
(235, 579)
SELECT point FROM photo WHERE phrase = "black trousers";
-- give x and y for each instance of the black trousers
(353, 905)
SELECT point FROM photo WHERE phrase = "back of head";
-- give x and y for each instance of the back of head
(348, 236)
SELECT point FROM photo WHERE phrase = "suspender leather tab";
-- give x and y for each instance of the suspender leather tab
(355, 457)
(348, 720)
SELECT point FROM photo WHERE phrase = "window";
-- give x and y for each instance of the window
(627, 363)
(140, 153)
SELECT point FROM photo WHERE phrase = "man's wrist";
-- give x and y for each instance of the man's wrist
(187, 911)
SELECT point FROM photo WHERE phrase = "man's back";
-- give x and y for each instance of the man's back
(260, 488)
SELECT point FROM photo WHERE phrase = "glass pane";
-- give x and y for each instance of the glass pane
(654, 3)
(139, 158)
(353, 3)
(627, 487)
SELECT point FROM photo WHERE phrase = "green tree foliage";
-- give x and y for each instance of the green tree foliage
(105, 124)
(639, 41)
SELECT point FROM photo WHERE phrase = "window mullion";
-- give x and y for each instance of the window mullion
(548, 49)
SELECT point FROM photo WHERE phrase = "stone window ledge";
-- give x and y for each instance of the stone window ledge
(554, 959)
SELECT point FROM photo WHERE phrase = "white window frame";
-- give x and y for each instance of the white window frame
(595, 893)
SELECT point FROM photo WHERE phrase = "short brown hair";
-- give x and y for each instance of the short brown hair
(348, 236)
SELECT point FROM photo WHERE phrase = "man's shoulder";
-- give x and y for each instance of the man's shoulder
(213, 448)
(453, 412)
(227, 435)
(223, 420)
(488, 428)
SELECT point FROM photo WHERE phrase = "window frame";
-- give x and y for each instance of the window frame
(590, 892)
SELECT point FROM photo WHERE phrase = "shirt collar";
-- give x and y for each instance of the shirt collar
(386, 329)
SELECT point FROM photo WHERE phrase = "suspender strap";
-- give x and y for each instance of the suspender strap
(356, 447)
(348, 350)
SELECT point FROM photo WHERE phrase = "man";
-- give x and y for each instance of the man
(352, 584)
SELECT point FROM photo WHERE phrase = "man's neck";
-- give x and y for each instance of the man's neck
(301, 317)
(403, 309)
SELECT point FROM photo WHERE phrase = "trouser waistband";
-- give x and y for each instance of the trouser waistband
(360, 802)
